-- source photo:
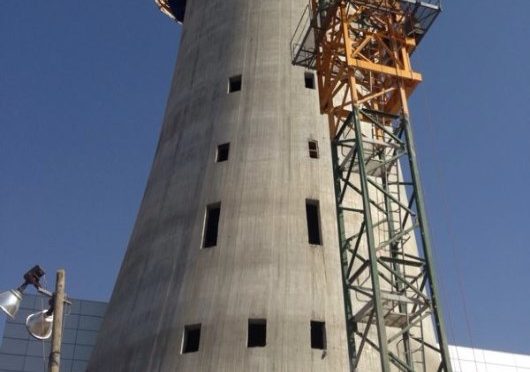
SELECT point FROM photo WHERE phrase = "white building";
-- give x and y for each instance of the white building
(465, 359)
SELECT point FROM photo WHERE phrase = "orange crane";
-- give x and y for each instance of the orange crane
(361, 52)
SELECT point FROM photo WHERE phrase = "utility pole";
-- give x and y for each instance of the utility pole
(57, 331)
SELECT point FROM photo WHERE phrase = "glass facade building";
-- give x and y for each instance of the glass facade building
(20, 352)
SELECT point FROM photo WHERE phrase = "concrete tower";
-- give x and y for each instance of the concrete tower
(234, 261)
(261, 268)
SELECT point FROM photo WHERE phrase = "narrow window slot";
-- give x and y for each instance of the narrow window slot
(257, 333)
(313, 222)
(309, 79)
(234, 83)
(313, 149)
(191, 339)
(211, 225)
(318, 335)
(222, 152)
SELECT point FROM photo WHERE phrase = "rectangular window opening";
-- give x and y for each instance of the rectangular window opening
(313, 222)
(309, 79)
(211, 225)
(191, 339)
(257, 333)
(313, 149)
(234, 83)
(318, 335)
(222, 152)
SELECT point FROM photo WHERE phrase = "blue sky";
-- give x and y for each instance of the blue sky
(82, 92)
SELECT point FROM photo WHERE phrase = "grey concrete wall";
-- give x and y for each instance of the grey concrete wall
(263, 265)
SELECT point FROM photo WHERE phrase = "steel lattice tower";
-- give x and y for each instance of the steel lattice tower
(361, 51)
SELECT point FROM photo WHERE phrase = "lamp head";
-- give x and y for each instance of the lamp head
(40, 324)
(10, 301)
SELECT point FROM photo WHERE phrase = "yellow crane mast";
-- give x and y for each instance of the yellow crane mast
(361, 52)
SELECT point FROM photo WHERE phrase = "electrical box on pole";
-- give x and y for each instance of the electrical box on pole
(361, 52)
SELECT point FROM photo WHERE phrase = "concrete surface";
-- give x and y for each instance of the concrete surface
(262, 266)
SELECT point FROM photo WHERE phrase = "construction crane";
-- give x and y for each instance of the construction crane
(361, 52)
(174, 9)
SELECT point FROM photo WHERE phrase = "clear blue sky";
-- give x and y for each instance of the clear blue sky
(83, 87)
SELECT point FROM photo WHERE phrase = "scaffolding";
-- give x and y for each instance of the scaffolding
(361, 52)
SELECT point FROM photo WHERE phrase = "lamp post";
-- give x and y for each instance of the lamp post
(43, 323)
(57, 330)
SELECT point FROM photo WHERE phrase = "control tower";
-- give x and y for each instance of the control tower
(234, 261)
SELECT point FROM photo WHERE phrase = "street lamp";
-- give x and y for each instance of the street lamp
(10, 300)
(40, 324)
(45, 323)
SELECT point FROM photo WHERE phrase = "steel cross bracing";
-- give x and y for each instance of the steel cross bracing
(361, 51)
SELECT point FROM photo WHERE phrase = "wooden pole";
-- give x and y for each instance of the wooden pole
(57, 330)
